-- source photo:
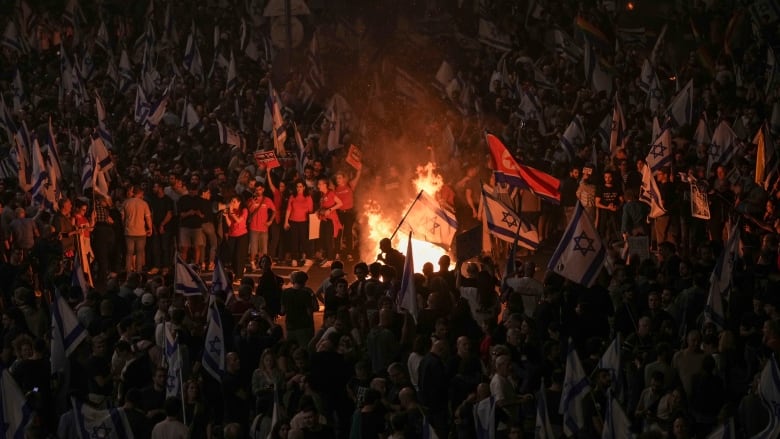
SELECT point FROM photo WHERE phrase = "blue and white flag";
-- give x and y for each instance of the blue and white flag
(650, 194)
(214, 349)
(702, 136)
(721, 280)
(190, 118)
(101, 39)
(228, 136)
(98, 150)
(681, 109)
(610, 360)
(192, 61)
(169, 35)
(485, 418)
(581, 253)
(616, 423)
(618, 134)
(66, 335)
(39, 176)
(660, 153)
(7, 121)
(573, 138)
(101, 115)
(219, 281)
(427, 431)
(187, 282)
(430, 222)
(17, 87)
(125, 72)
(12, 39)
(407, 295)
(769, 390)
(273, 114)
(173, 359)
(505, 224)
(566, 47)
(600, 79)
(543, 428)
(724, 147)
(723, 431)
(315, 77)
(155, 115)
(575, 390)
(232, 77)
(92, 422)
(15, 412)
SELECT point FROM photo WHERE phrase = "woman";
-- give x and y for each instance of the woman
(330, 225)
(279, 431)
(237, 243)
(280, 198)
(345, 191)
(267, 386)
(296, 220)
(197, 412)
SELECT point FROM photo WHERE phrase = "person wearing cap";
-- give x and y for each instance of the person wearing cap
(298, 306)
(137, 218)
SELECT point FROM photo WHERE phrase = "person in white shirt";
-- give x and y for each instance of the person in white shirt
(171, 427)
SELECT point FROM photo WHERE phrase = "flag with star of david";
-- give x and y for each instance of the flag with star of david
(581, 253)
(724, 147)
(769, 390)
(721, 280)
(15, 412)
(507, 225)
(430, 222)
(173, 360)
(95, 423)
(214, 350)
(660, 153)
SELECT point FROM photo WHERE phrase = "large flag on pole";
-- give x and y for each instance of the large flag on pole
(581, 253)
(172, 351)
(214, 349)
(721, 280)
(93, 422)
(507, 170)
(15, 413)
(66, 335)
(650, 194)
(507, 225)
(660, 153)
(575, 390)
(430, 222)
(766, 157)
(618, 131)
(543, 426)
(724, 145)
(610, 360)
(681, 109)
(573, 137)
(407, 295)
(769, 390)
(187, 282)
(616, 423)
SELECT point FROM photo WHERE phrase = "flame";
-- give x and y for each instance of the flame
(382, 224)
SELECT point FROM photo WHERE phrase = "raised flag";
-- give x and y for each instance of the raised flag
(101, 39)
(190, 118)
(274, 115)
(766, 158)
(593, 34)
(92, 422)
(334, 119)
(769, 390)
(650, 195)
(7, 121)
(721, 280)
(228, 136)
(98, 150)
(125, 72)
(407, 295)
(581, 253)
(618, 131)
(566, 47)
(702, 135)
(573, 137)
(232, 77)
(101, 115)
(724, 146)
(192, 61)
(219, 280)
(12, 39)
(660, 153)
(67, 333)
(658, 45)
(485, 418)
(430, 222)
(610, 360)
(543, 426)
(187, 282)
(505, 224)
(15, 412)
(723, 431)
(155, 115)
(681, 109)
(507, 170)
(616, 422)
(19, 97)
(595, 73)
(575, 389)
(214, 349)
(172, 351)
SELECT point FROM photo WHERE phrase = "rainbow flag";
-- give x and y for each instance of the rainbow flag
(595, 35)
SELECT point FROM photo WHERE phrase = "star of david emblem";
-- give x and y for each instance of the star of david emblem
(215, 344)
(434, 224)
(509, 219)
(656, 93)
(714, 150)
(657, 151)
(587, 241)
(101, 431)
(171, 381)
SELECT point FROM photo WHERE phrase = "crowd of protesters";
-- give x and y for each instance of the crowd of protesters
(372, 371)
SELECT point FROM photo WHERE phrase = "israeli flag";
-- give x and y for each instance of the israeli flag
(575, 390)
(721, 280)
(188, 282)
(214, 349)
(681, 108)
(573, 137)
(611, 361)
(660, 153)
(66, 335)
(407, 296)
(580, 253)
(92, 422)
(544, 428)
(15, 413)
(769, 390)
(616, 423)
(173, 359)
(505, 224)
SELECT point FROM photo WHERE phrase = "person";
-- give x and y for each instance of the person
(390, 256)
(330, 225)
(259, 222)
(345, 191)
(208, 226)
(192, 213)
(296, 221)
(137, 218)
(160, 247)
(608, 203)
(237, 243)
(103, 233)
(171, 427)
(281, 198)
(269, 287)
(298, 305)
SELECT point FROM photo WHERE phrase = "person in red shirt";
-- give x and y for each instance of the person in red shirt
(330, 226)
(296, 220)
(237, 243)
(345, 190)
(259, 221)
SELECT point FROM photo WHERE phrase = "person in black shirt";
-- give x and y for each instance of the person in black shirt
(390, 256)
(608, 202)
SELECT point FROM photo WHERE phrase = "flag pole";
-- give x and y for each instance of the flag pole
(181, 381)
(405, 215)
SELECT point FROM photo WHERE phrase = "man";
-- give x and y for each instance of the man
(138, 227)
(569, 192)
(312, 428)
(390, 256)
(153, 397)
(63, 226)
(529, 288)
(434, 386)
(171, 427)
(608, 202)
(160, 246)
(192, 211)
(235, 391)
(298, 308)
(502, 389)
(261, 215)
